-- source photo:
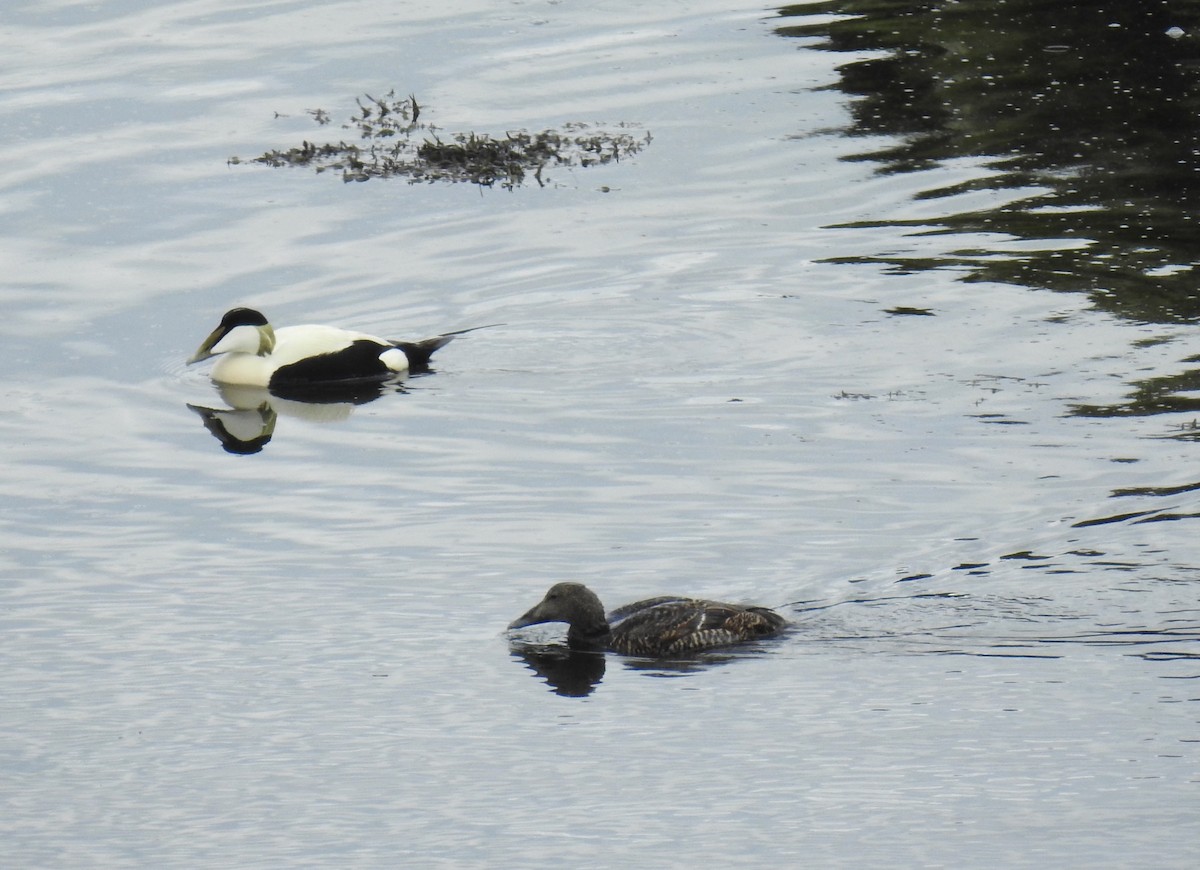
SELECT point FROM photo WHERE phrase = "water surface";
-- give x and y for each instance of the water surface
(904, 351)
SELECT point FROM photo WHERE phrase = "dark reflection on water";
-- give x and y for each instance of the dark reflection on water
(1165, 394)
(248, 424)
(576, 674)
(568, 672)
(1078, 124)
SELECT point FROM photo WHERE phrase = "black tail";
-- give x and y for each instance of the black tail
(419, 352)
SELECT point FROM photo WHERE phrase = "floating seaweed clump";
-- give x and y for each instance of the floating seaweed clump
(392, 142)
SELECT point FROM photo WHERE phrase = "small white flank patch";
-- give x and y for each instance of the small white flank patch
(395, 359)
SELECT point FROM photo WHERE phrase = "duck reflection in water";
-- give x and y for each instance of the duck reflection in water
(248, 424)
(569, 672)
(669, 630)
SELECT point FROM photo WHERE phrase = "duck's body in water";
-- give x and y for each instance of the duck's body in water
(663, 626)
(254, 354)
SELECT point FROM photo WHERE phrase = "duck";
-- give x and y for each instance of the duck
(254, 354)
(656, 627)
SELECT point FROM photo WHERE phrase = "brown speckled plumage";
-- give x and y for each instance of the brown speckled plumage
(662, 626)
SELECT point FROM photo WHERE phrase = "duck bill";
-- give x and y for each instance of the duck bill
(205, 350)
(533, 617)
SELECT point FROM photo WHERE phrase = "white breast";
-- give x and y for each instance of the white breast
(243, 369)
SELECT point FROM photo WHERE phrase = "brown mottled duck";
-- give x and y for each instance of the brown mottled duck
(663, 626)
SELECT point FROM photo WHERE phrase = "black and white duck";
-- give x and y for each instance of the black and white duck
(664, 626)
(254, 354)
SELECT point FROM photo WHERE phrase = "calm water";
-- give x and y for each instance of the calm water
(891, 326)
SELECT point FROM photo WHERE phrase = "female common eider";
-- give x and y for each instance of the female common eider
(255, 355)
(662, 626)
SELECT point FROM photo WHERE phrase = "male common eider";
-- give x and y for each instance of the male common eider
(253, 354)
(662, 626)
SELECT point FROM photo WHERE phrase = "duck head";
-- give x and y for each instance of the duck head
(242, 330)
(572, 603)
